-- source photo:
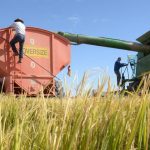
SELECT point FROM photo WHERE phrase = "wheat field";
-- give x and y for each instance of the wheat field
(82, 122)
(111, 122)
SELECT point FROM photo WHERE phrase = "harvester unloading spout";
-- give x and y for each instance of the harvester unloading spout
(106, 42)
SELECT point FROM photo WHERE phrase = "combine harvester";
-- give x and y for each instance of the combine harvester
(139, 65)
(47, 53)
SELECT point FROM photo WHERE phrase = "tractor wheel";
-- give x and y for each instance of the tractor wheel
(133, 86)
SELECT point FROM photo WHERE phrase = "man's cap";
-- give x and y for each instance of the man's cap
(19, 20)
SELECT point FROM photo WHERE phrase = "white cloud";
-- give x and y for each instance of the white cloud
(74, 20)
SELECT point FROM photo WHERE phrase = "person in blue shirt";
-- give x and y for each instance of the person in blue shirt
(117, 67)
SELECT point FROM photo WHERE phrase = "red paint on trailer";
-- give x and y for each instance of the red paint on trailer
(46, 54)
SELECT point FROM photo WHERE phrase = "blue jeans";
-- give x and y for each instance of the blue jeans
(18, 38)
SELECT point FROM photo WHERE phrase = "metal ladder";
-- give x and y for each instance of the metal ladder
(14, 75)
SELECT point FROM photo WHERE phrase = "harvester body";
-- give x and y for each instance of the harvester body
(143, 49)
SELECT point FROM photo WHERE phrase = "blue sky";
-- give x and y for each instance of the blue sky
(121, 19)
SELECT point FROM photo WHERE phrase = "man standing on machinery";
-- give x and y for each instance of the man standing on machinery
(19, 28)
(117, 67)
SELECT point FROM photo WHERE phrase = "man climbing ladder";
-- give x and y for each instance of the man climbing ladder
(19, 27)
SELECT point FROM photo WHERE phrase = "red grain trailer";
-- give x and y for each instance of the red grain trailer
(45, 55)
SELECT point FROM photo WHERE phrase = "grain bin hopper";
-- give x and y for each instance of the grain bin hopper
(45, 55)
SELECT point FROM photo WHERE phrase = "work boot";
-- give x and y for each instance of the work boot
(19, 61)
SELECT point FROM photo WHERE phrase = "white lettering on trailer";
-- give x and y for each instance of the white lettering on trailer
(32, 41)
(32, 64)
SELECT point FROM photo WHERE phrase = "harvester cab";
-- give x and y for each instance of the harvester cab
(128, 72)
(132, 61)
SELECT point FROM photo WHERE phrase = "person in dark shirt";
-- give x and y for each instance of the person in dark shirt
(117, 67)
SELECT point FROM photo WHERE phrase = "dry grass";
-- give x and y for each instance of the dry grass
(113, 122)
